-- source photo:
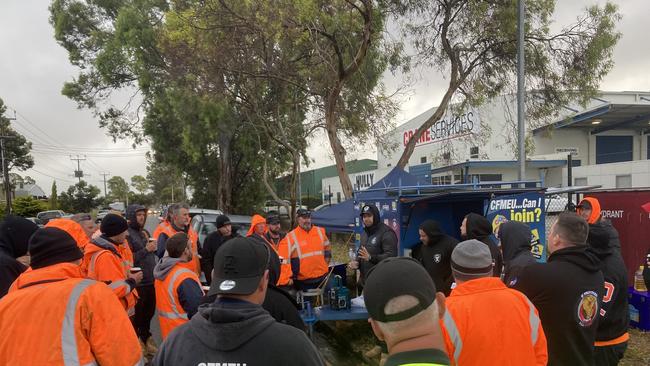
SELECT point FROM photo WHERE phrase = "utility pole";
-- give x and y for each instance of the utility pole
(106, 174)
(521, 89)
(5, 170)
(78, 173)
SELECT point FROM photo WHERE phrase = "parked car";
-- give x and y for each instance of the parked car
(36, 221)
(46, 216)
(101, 214)
(204, 224)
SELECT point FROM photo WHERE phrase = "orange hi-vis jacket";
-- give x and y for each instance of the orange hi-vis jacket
(53, 316)
(167, 229)
(310, 247)
(487, 323)
(73, 228)
(108, 266)
(285, 252)
(170, 311)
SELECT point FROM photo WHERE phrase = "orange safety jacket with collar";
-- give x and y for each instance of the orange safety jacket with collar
(73, 228)
(286, 253)
(508, 331)
(53, 316)
(108, 266)
(167, 229)
(312, 248)
(170, 312)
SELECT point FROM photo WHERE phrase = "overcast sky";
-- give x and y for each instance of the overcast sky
(33, 68)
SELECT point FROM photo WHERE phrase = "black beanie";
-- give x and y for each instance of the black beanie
(113, 225)
(49, 246)
(222, 221)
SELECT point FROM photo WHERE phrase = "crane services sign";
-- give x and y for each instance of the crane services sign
(449, 127)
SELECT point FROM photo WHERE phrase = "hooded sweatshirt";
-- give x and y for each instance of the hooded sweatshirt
(567, 291)
(137, 240)
(596, 219)
(479, 228)
(234, 332)
(435, 256)
(515, 244)
(14, 235)
(380, 241)
(615, 316)
(189, 291)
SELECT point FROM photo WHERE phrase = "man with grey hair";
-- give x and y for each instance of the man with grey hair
(567, 291)
(179, 222)
(406, 314)
(87, 224)
(475, 332)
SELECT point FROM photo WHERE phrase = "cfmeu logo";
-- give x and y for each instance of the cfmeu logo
(221, 364)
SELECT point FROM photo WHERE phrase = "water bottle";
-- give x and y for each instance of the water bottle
(351, 254)
(639, 283)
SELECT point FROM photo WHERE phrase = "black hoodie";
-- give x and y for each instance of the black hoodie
(137, 240)
(515, 245)
(380, 241)
(14, 235)
(436, 255)
(479, 228)
(567, 291)
(615, 315)
(234, 332)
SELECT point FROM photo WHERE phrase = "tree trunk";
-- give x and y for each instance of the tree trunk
(272, 192)
(294, 187)
(224, 187)
(335, 142)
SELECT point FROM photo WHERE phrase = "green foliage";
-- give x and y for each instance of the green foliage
(80, 197)
(117, 188)
(28, 206)
(17, 148)
(140, 184)
(54, 199)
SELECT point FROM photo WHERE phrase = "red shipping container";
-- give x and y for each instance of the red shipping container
(624, 209)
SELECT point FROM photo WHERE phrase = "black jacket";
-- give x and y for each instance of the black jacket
(137, 240)
(515, 245)
(615, 315)
(567, 291)
(479, 228)
(14, 235)
(282, 307)
(436, 256)
(210, 246)
(236, 332)
(380, 241)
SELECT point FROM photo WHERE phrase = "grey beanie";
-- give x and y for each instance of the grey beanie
(471, 259)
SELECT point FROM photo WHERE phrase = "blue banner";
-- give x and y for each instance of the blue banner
(527, 208)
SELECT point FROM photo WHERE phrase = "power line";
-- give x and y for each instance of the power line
(51, 176)
(78, 173)
(35, 126)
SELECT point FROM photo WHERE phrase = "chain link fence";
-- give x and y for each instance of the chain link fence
(555, 205)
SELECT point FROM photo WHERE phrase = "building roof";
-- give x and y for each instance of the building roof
(633, 113)
(29, 190)
(499, 164)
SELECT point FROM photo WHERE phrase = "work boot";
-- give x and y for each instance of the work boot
(373, 352)
(152, 348)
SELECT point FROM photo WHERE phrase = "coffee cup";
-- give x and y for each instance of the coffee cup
(135, 269)
(205, 288)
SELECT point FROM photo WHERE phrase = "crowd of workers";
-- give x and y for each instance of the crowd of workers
(75, 294)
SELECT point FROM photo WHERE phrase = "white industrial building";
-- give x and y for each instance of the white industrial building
(609, 141)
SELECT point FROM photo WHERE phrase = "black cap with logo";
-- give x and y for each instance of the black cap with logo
(239, 266)
(394, 277)
(303, 212)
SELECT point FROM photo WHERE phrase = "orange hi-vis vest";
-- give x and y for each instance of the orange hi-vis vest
(507, 332)
(73, 228)
(310, 247)
(53, 316)
(285, 253)
(103, 265)
(170, 311)
(162, 227)
(193, 265)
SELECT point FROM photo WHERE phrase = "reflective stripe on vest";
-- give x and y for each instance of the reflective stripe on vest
(117, 284)
(295, 244)
(172, 298)
(318, 252)
(68, 337)
(454, 334)
(533, 319)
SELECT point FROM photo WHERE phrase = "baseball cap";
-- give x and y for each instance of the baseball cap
(394, 277)
(367, 209)
(273, 220)
(239, 266)
(303, 212)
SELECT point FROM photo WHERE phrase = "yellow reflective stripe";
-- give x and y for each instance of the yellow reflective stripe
(170, 291)
(454, 334)
(534, 321)
(68, 338)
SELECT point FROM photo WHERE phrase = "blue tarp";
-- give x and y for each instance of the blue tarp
(340, 217)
